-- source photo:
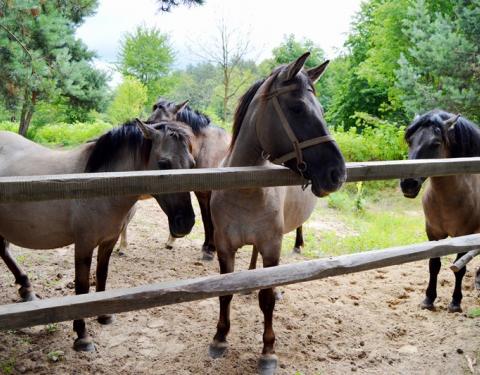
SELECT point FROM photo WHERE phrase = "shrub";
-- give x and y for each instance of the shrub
(63, 134)
(9, 126)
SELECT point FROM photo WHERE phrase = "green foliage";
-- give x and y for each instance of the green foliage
(8, 126)
(441, 68)
(474, 312)
(147, 55)
(8, 366)
(41, 58)
(56, 355)
(62, 134)
(291, 49)
(378, 140)
(128, 102)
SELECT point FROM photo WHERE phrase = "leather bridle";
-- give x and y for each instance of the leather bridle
(297, 146)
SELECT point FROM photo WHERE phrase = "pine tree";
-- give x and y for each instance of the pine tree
(41, 58)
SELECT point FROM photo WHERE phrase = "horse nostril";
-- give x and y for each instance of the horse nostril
(335, 175)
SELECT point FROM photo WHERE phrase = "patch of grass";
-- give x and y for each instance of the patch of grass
(51, 328)
(474, 312)
(384, 220)
(7, 366)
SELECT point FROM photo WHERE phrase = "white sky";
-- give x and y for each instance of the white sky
(326, 22)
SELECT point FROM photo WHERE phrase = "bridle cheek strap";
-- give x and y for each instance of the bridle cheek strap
(297, 146)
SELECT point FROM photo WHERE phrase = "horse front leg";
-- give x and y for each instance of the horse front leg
(266, 297)
(455, 304)
(217, 348)
(299, 243)
(208, 247)
(434, 266)
(25, 287)
(83, 261)
(103, 258)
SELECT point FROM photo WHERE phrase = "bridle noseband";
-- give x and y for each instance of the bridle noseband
(297, 146)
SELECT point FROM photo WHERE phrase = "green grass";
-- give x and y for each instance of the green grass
(385, 219)
(474, 312)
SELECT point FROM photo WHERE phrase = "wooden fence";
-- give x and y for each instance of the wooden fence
(128, 299)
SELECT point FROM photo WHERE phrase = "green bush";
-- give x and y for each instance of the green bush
(9, 126)
(63, 134)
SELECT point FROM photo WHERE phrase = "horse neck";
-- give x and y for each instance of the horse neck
(247, 150)
(451, 186)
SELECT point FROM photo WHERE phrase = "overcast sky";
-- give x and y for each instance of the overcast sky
(326, 22)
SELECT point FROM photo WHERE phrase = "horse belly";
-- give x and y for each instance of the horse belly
(36, 225)
(298, 207)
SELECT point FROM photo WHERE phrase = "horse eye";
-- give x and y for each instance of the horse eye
(436, 130)
(164, 164)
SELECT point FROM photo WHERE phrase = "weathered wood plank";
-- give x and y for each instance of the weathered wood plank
(35, 188)
(143, 297)
(463, 261)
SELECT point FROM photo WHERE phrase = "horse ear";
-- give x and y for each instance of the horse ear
(180, 107)
(317, 72)
(146, 130)
(296, 66)
(452, 121)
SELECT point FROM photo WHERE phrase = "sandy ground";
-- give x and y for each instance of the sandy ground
(367, 323)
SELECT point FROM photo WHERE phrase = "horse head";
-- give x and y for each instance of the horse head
(291, 128)
(172, 149)
(428, 137)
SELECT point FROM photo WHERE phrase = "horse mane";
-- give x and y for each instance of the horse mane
(463, 139)
(193, 118)
(245, 101)
(108, 146)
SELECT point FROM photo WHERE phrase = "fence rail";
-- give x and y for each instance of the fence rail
(143, 297)
(90, 185)
(36, 188)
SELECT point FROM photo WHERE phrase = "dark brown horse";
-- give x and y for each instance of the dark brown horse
(89, 223)
(278, 120)
(451, 204)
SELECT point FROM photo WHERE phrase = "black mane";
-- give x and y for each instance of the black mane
(193, 118)
(463, 139)
(109, 145)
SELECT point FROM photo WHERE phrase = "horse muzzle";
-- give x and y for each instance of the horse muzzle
(411, 187)
(181, 225)
(328, 182)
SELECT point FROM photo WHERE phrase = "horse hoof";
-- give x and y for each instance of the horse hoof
(427, 305)
(297, 250)
(267, 365)
(106, 319)
(84, 345)
(208, 255)
(452, 308)
(217, 349)
(28, 297)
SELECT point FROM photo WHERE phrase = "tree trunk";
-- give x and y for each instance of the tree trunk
(226, 88)
(27, 113)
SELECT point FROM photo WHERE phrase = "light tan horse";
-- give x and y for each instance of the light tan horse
(452, 203)
(278, 120)
(89, 223)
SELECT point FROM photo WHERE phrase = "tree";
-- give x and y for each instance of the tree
(227, 51)
(167, 5)
(147, 55)
(129, 101)
(41, 58)
(441, 68)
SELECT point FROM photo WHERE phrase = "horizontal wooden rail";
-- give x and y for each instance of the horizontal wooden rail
(121, 300)
(71, 186)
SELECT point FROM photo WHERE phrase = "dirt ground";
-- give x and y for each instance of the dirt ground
(367, 323)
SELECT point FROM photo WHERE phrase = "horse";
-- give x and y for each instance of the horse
(213, 143)
(276, 114)
(88, 223)
(450, 203)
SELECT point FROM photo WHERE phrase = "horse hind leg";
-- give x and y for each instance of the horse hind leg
(83, 261)
(299, 243)
(455, 304)
(219, 344)
(25, 287)
(103, 258)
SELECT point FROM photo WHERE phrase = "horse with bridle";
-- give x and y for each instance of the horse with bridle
(278, 120)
